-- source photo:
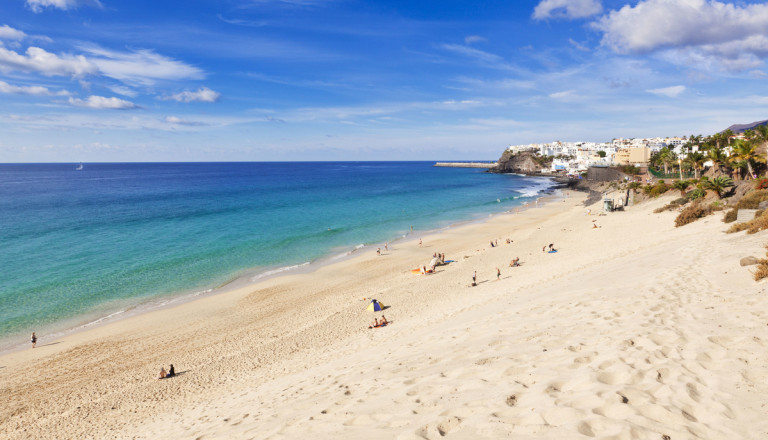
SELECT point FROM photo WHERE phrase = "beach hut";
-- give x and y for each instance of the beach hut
(375, 306)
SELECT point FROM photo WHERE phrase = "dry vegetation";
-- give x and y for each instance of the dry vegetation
(695, 211)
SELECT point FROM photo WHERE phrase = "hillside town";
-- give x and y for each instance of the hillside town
(575, 157)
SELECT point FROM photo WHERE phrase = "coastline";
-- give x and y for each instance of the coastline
(248, 278)
(548, 351)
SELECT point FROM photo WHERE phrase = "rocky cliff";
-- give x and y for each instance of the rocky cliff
(524, 163)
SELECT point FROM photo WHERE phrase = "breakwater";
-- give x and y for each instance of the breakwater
(467, 164)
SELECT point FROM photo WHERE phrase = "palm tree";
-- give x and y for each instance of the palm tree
(696, 160)
(667, 156)
(718, 185)
(761, 137)
(634, 186)
(717, 156)
(681, 185)
(745, 151)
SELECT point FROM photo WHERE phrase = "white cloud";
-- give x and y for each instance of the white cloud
(567, 95)
(142, 67)
(568, 9)
(40, 61)
(37, 6)
(670, 92)
(204, 94)
(473, 53)
(29, 90)
(101, 102)
(707, 33)
(125, 91)
(578, 45)
(175, 120)
(474, 39)
(9, 33)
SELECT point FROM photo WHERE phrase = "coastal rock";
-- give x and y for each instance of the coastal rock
(748, 261)
(524, 162)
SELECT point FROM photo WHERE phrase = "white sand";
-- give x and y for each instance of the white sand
(635, 330)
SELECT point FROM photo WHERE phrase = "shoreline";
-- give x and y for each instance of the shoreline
(248, 278)
(616, 335)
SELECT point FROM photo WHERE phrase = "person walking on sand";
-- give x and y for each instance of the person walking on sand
(378, 251)
(498, 274)
(420, 243)
(34, 340)
(386, 246)
(474, 278)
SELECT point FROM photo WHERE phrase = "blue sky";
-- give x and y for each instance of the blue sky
(265, 80)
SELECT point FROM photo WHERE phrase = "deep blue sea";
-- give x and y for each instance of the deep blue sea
(77, 246)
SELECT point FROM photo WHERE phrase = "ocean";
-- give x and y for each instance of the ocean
(80, 246)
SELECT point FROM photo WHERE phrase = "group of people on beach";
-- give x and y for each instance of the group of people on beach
(379, 323)
(166, 374)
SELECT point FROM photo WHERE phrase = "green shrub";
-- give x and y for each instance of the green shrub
(696, 194)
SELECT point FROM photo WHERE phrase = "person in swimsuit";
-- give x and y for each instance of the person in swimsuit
(34, 340)
(163, 374)
(383, 320)
(498, 274)
(474, 278)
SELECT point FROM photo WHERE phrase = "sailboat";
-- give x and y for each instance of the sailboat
(79, 167)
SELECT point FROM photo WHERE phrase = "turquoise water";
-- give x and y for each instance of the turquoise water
(80, 245)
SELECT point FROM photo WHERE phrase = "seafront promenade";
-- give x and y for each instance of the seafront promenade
(467, 164)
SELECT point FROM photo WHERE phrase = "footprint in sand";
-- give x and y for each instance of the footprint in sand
(441, 429)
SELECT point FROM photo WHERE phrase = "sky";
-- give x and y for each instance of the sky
(315, 80)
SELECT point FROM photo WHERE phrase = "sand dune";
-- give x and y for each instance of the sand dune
(634, 330)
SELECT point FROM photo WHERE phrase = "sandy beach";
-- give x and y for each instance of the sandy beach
(633, 330)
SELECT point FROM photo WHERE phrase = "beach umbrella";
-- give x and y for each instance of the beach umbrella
(375, 306)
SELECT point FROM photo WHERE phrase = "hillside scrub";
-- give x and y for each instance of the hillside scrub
(695, 211)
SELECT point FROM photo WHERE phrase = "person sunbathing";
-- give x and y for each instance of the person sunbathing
(383, 321)
(375, 323)
(163, 374)
(515, 262)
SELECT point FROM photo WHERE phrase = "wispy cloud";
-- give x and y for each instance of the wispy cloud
(30, 90)
(471, 52)
(578, 45)
(140, 67)
(38, 6)
(567, 95)
(9, 33)
(567, 9)
(241, 22)
(670, 92)
(204, 94)
(37, 60)
(100, 102)
(471, 39)
(175, 120)
(707, 33)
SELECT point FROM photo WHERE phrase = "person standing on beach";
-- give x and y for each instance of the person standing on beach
(386, 246)
(34, 340)
(498, 274)
(474, 278)
(378, 251)
(420, 243)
